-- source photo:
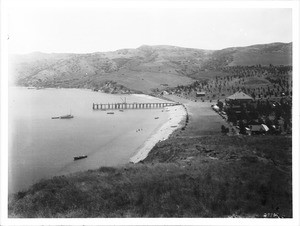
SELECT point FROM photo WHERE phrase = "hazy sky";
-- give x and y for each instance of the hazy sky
(63, 28)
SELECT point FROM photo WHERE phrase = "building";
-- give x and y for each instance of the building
(236, 105)
(239, 98)
(200, 94)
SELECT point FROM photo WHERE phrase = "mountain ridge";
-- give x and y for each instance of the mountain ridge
(145, 45)
(142, 69)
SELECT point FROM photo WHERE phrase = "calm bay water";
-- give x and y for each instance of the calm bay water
(41, 147)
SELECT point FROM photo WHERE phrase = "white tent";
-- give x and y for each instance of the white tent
(259, 128)
(216, 108)
(264, 127)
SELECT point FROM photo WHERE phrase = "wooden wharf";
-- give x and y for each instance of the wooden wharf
(123, 106)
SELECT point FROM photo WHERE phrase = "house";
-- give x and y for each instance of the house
(200, 94)
(237, 103)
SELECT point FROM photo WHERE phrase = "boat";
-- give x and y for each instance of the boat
(111, 113)
(156, 118)
(63, 117)
(80, 157)
(121, 110)
(66, 116)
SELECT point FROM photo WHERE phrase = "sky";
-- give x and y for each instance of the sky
(86, 28)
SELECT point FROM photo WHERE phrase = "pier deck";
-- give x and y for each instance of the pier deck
(124, 106)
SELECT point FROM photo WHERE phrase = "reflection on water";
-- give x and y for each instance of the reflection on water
(41, 147)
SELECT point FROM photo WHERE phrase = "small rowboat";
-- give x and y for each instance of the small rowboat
(110, 113)
(80, 157)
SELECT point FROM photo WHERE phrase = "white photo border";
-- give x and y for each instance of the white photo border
(6, 5)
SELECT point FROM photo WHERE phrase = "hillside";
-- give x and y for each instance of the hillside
(143, 69)
(264, 55)
(208, 176)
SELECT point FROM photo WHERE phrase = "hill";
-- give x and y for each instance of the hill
(143, 69)
(208, 176)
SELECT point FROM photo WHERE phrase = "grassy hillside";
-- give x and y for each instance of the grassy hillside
(275, 54)
(142, 69)
(211, 176)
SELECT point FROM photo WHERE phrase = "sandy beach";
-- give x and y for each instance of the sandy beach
(176, 115)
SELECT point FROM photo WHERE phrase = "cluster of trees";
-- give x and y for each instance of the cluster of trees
(256, 70)
(224, 129)
(265, 82)
(260, 82)
(270, 87)
(263, 112)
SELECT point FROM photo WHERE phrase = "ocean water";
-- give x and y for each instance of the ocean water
(41, 147)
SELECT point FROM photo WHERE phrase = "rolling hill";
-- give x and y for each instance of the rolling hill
(143, 69)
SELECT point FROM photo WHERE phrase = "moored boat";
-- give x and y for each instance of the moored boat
(80, 157)
(66, 116)
(110, 113)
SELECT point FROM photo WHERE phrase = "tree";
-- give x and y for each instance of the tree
(223, 129)
(234, 119)
(220, 105)
(242, 127)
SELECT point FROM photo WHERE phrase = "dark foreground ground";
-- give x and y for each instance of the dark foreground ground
(204, 177)
(196, 173)
(216, 176)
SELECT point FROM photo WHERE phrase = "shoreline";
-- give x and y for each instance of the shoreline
(143, 141)
(176, 115)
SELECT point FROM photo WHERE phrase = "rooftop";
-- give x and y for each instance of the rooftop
(239, 96)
